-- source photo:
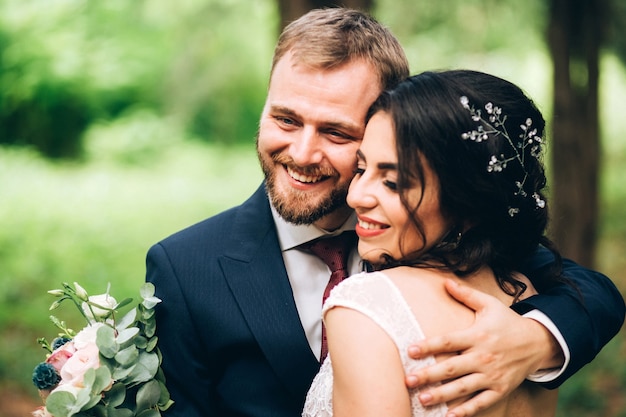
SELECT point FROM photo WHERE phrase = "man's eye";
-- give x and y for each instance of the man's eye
(284, 120)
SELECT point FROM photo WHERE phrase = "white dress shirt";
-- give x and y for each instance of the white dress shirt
(308, 274)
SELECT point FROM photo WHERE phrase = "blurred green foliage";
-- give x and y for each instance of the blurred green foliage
(66, 66)
(149, 110)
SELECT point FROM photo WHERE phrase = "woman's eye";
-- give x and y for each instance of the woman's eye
(391, 185)
(359, 171)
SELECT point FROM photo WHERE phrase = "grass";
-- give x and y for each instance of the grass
(93, 224)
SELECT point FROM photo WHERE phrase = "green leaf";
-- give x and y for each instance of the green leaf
(147, 290)
(149, 413)
(128, 319)
(150, 302)
(148, 395)
(152, 343)
(116, 395)
(147, 313)
(164, 400)
(120, 412)
(89, 378)
(105, 340)
(127, 356)
(150, 328)
(120, 373)
(126, 335)
(102, 380)
(145, 368)
(141, 342)
(62, 404)
(123, 303)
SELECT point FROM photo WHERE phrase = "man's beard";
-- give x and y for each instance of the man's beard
(295, 206)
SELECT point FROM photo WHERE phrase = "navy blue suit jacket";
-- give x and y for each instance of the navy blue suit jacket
(230, 333)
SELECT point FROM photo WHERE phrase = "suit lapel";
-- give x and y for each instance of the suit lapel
(256, 275)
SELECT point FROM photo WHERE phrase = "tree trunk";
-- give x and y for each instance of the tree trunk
(575, 37)
(292, 9)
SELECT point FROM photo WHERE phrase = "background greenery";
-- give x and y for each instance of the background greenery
(164, 99)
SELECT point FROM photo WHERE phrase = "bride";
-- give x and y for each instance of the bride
(448, 192)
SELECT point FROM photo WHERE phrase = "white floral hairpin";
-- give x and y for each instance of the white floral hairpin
(494, 125)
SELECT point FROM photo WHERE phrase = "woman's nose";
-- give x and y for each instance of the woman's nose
(361, 193)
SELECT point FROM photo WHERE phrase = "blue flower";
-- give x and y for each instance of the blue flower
(45, 376)
(59, 341)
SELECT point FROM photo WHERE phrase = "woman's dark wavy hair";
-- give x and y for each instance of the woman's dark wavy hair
(429, 120)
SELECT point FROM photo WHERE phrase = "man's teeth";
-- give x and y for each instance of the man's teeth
(371, 226)
(303, 178)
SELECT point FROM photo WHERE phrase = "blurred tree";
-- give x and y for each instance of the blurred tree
(575, 36)
(292, 9)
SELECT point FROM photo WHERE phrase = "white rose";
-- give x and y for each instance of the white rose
(87, 336)
(104, 300)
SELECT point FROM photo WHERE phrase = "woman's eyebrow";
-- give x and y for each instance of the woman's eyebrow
(388, 166)
(381, 165)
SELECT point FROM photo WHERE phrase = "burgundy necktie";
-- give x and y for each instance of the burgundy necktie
(334, 251)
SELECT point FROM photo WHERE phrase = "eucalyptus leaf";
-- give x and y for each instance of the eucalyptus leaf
(120, 412)
(145, 368)
(105, 340)
(128, 319)
(149, 413)
(147, 314)
(126, 335)
(127, 356)
(141, 342)
(147, 290)
(150, 328)
(121, 373)
(102, 380)
(116, 395)
(62, 404)
(152, 343)
(165, 400)
(123, 303)
(151, 302)
(88, 378)
(148, 395)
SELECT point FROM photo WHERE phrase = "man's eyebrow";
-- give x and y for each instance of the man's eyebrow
(339, 125)
(284, 110)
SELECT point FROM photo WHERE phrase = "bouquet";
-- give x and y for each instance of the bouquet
(110, 368)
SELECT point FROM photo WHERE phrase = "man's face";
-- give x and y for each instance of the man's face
(311, 126)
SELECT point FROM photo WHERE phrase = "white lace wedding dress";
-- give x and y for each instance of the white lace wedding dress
(374, 295)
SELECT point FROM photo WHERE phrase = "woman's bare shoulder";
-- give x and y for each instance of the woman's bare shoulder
(424, 291)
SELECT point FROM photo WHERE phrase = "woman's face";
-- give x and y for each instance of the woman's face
(383, 223)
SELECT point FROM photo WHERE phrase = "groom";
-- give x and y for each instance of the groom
(239, 327)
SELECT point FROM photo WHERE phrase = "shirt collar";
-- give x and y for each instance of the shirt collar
(291, 235)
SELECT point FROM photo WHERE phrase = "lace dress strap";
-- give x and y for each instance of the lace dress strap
(377, 297)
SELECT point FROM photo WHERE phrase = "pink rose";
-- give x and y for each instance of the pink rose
(83, 359)
(59, 357)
